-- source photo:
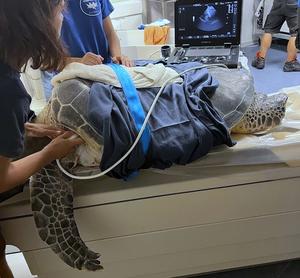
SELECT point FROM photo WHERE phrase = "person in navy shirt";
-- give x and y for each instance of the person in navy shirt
(88, 33)
(28, 29)
(18, 43)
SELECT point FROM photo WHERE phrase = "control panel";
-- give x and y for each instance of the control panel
(231, 60)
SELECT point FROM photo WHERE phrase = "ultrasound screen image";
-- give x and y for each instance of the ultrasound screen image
(209, 20)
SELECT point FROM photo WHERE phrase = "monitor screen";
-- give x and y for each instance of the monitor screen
(202, 22)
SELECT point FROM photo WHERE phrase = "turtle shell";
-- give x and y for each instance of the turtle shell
(234, 95)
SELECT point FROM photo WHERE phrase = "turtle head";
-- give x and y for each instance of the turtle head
(264, 113)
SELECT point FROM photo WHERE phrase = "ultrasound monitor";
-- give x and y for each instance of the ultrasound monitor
(207, 22)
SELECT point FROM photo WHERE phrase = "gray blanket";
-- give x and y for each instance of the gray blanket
(184, 124)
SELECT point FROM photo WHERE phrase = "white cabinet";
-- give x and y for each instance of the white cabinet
(156, 9)
(127, 14)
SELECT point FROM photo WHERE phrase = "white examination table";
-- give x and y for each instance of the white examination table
(233, 208)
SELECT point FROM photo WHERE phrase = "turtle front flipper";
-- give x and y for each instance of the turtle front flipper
(51, 194)
(264, 113)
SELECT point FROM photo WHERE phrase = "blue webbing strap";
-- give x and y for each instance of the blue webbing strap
(133, 102)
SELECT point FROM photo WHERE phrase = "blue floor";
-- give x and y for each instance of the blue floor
(271, 78)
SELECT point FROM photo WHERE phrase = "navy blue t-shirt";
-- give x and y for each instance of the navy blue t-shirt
(14, 112)
(82, 29)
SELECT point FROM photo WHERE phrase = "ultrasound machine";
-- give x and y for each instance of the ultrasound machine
(207, 31)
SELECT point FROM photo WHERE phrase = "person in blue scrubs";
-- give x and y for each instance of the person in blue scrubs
(88, 33)
(89, 37)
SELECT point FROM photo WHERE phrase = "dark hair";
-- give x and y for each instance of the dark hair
(27, 31)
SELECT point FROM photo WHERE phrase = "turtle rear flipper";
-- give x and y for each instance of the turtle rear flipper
(264, 113)
(51, 194)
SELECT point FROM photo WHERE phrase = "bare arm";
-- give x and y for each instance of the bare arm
(14, 173)
(114, 48)
(112, 38)
(114, 44)
(17, 172)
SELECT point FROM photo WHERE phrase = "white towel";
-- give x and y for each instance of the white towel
(143, 77)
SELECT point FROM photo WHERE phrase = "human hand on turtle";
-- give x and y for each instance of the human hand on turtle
(123, 60)
(91, 59)
(62, 145)
(41, 130)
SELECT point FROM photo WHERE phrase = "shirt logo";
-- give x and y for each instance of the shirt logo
(90, 7)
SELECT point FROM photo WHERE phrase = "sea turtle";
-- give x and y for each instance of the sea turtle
(244, 110)
(51, 191)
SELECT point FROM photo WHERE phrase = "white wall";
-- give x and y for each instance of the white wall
(128, 14)
(248, 22)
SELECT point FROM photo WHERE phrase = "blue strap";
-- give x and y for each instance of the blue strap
(133, 102)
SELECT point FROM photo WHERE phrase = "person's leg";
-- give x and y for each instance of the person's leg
(259, 60)
(266, 41)
(5, 271)
(291, 50)
(292, 63)
(273, 23)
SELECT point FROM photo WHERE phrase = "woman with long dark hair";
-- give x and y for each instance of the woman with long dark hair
(28, 30)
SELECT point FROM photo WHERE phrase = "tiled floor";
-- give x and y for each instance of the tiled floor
(289, 269)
